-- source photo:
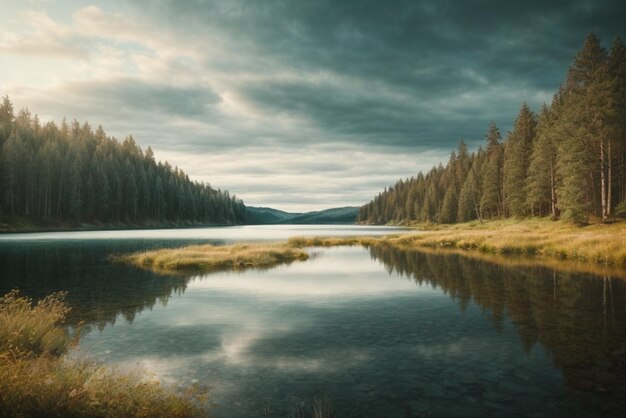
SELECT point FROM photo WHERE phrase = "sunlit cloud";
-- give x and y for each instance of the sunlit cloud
(283, 107)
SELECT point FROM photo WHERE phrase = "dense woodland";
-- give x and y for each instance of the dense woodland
(71, 173)
(568, 161)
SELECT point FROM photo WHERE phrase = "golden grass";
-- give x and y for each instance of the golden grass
(211, 258)
(599, 243)
(541, 239)
(36, 379)
(33, 330)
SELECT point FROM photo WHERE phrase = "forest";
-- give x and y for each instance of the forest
(71, 174)
(567, 162)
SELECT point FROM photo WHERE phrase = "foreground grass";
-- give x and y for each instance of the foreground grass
(207, 258)
(36, 379)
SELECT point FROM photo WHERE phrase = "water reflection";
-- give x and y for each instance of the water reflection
(580, 320)
(380, 331)
(97, 290)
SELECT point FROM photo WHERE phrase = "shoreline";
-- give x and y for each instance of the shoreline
(597, 249)
(87, 227)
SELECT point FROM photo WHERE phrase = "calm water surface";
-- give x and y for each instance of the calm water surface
(377, 333)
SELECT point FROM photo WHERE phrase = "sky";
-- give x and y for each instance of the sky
(295, 104)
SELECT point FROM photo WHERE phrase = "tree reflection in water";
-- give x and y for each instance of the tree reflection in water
(579, 319)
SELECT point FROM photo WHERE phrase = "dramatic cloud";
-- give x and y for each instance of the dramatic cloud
(293, 103)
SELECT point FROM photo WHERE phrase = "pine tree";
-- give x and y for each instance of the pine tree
(518, 149)
(449, 207)
(74, 174)
(589, 111)
(491, 198)
(469, 198)
(617, 72)
(542, 173)
(573, 166)
(6, 119)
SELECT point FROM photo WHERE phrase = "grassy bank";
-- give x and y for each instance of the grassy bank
(37, 379)
(598, 243)
(543, 240)
(211, 258)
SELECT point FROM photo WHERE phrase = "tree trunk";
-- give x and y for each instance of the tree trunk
(552, 191)
(609, 203)
(602, 183)
(478, 213)
(60, 195)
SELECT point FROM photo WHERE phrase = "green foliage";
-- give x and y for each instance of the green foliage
(571, 162)
(542, 173)
(74, 174)
(469, 199)
(517, 160)
(491, 198)
(450, 207)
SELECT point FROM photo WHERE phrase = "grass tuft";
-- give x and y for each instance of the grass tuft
(33, 330)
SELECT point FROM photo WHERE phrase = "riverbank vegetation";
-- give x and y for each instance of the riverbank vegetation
(211, 258)
(38, 379)
(567, 162)
(71, 173)
(598, 244)
(538, 237)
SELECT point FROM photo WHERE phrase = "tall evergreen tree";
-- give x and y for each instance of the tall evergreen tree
(587, 122)
(449, 206)
(617, 72)
(518, 149)
(491, 198)
(470, 196)
(542, 172)
(569, 163)
(73, 174)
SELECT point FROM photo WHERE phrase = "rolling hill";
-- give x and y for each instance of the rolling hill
(270, 216)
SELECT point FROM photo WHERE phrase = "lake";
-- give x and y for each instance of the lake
(369, 332)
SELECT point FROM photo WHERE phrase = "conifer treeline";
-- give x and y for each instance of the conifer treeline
(73, 173)
(568, 162)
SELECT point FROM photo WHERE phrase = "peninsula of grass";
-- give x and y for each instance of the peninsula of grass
(38, 379)
(214, 258)
(599, 243)
(541, 239)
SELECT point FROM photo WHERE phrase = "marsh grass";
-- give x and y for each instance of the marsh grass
(598, 243)
(212, 258)
(37, 379)
(603, 244)
(28, 329)
(536, 239)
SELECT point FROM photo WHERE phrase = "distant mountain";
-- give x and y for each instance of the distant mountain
(269, 216)
(345, 215)
(266, 216)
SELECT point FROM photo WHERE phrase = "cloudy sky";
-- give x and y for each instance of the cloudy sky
(294, 104)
